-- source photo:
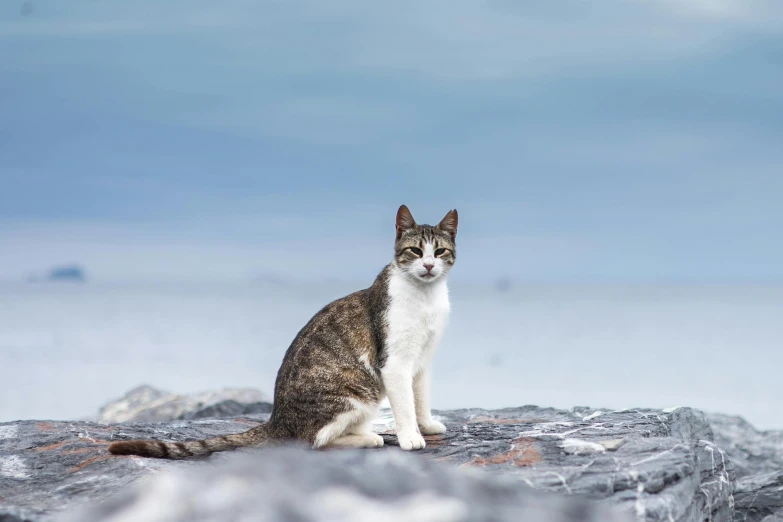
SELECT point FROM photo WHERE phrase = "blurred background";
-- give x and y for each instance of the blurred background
(184, 184)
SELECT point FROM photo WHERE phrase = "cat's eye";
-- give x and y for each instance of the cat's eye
(416, 251)
(439, 252)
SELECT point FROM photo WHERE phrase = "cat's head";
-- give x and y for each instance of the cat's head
(425, 253)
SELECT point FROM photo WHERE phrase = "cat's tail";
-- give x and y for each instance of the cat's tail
(258, 436)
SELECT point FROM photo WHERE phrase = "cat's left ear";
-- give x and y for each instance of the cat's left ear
(449, 223)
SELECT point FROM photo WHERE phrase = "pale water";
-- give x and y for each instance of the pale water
(67, 349)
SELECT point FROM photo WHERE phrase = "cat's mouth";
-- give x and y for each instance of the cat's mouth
(427, 275)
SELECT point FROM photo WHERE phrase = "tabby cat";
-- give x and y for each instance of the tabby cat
(357, 350)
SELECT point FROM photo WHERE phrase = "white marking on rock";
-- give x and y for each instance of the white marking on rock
(671, 409)
(593, 415)
(641, 510)
(562, 480)
(538, 431)
(86, 435)
(671, 515)
(612, 445)
(709, 500)
(658, 455)
(14, 466)
(723, 476)
(9, 432)
(581, 447)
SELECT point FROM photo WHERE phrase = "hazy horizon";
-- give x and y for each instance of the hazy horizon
(65, 350)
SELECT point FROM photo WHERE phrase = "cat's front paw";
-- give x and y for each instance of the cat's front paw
(410, 440)
(432, 427)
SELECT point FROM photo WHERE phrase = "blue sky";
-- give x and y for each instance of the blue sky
(601, 140)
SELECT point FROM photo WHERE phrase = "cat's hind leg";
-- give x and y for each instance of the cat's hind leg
(350, 429)
(363, 440)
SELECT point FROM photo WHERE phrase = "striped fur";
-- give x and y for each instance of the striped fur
(258, 436)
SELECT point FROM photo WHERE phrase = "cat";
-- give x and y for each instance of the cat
(374, 343)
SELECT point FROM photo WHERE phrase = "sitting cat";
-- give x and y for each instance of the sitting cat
(357, 350)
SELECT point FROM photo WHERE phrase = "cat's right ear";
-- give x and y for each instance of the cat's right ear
(405, 220)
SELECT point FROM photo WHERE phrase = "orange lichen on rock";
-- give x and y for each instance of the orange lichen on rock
(523, 452)
(57, 445)
(90, 461)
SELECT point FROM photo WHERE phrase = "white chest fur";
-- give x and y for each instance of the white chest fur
(416, 319)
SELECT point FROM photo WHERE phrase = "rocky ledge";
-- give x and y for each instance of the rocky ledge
(147, 404)
(641, 464)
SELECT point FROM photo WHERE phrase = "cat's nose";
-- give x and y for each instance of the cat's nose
(429, 267)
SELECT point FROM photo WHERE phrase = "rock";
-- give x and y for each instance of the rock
(611, 445)
(291, 484)
(759, 497)
(227, 408)
(758, 459)
(66, 273)
(667, 468)
(148, 404)
(752, 451)
(581, 447)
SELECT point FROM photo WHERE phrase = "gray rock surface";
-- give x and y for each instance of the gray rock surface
(649, 464)
(758, 459)
(288, 484)
(147, 404)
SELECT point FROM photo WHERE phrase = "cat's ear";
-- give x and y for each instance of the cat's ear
(405, 220)
(449, 223)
